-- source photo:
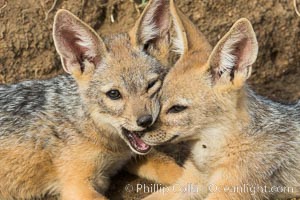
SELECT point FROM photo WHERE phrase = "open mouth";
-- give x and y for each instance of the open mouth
(136, 142)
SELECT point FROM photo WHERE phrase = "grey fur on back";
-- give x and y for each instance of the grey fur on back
(22, 104)
(276, 129)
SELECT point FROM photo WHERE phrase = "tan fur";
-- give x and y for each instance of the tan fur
(195, 43)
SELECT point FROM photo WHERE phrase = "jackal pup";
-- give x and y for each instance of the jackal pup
(68, 135)
(243, 146)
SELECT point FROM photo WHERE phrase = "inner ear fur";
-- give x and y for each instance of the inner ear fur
(151, 32)
(76, 43)
(232, 58)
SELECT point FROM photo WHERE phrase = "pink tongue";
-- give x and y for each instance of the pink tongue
(140, 143)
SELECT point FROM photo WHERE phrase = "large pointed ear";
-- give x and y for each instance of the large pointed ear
(232, 58)
(79, 47)
(189, 39)
(152, 30)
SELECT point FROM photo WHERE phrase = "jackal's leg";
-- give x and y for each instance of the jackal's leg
(77, 183)
(78, 186)
(79, 191)
(157, 167)
(182, 189)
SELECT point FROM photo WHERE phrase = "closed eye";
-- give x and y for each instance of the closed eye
(177, 109)
(153, 87)
(151, 84)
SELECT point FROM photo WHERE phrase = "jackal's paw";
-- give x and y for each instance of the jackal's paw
(163, 196)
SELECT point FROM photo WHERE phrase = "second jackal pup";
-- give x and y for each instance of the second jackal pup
(68, 135)
(243, 146)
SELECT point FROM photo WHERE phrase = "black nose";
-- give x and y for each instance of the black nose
(144, 121)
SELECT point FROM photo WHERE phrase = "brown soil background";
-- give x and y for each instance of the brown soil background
(27, 50)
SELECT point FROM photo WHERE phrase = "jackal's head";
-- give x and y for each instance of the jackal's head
(119, 76)
(204, 90)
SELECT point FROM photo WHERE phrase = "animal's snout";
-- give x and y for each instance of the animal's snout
(144, 121)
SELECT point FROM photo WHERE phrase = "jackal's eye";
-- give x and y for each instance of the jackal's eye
(114, 94)
(177, 109)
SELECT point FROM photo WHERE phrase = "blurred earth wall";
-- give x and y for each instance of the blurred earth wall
(27, 50)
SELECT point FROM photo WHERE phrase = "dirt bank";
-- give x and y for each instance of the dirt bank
(27, 51)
